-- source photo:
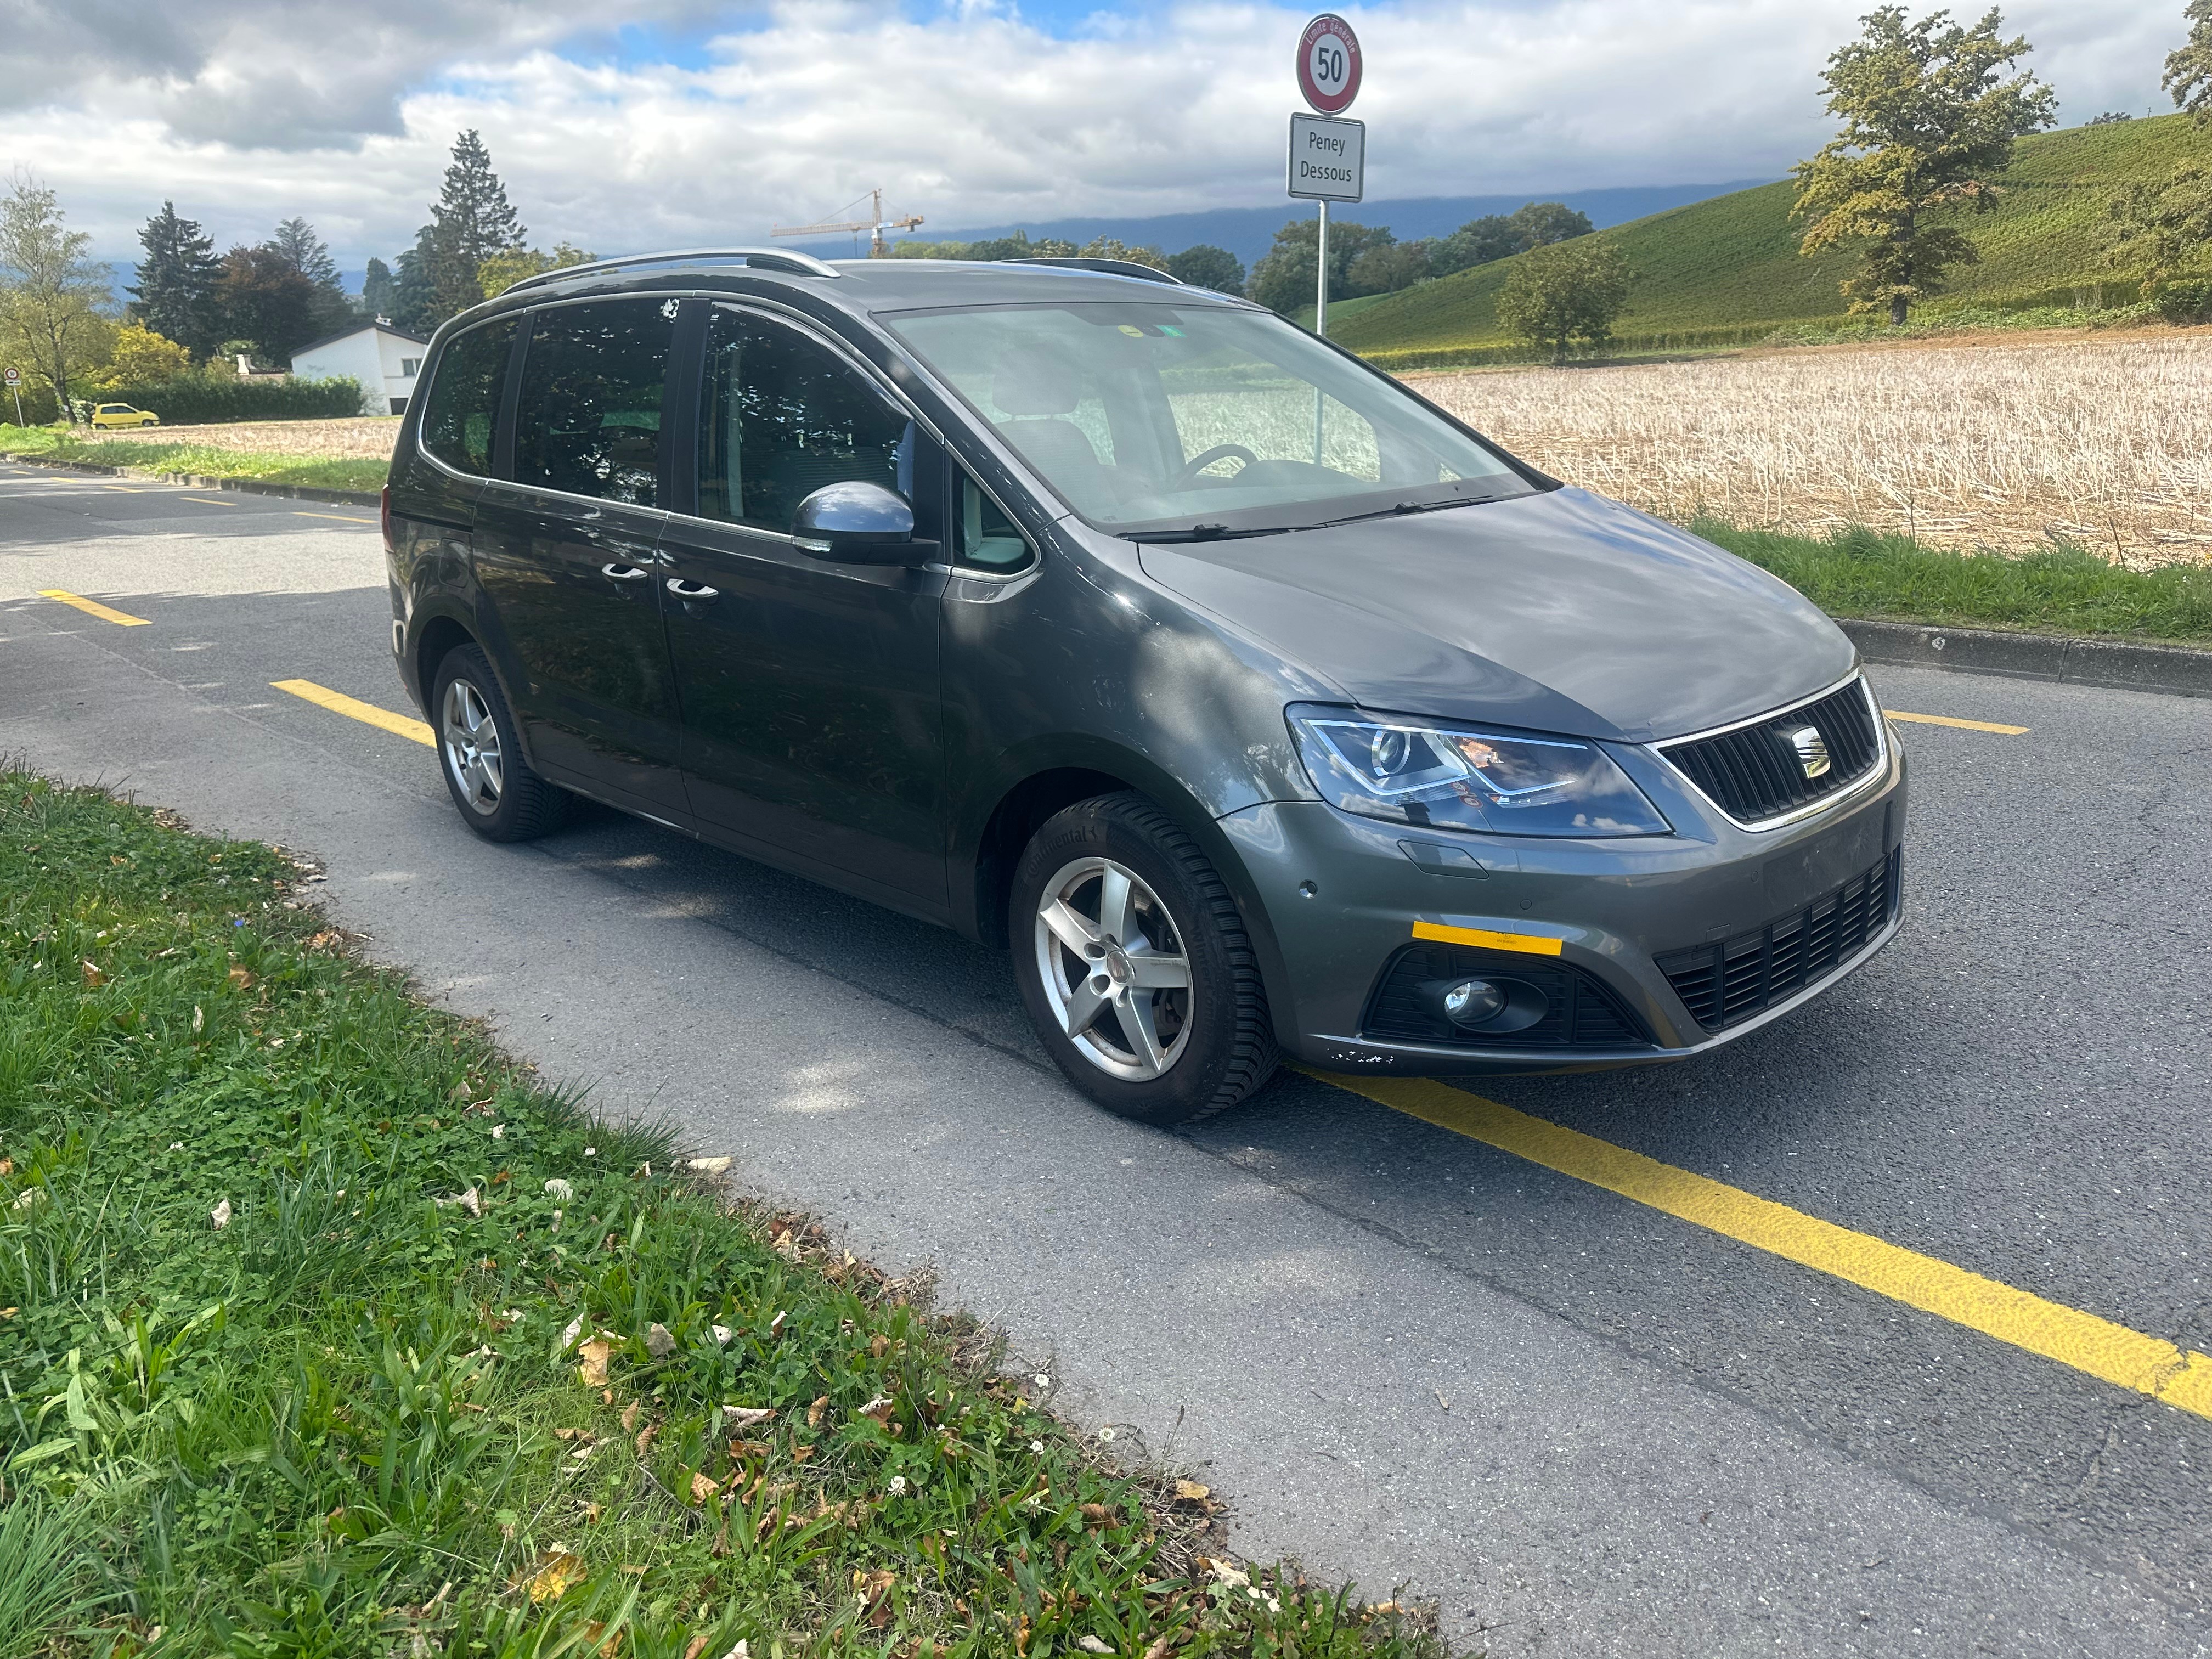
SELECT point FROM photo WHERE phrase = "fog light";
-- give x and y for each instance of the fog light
(1473, 1002)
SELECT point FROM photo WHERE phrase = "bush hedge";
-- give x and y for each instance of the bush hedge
(201, 399)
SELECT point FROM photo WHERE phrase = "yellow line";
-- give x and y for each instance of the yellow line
(342, 517)
(2112, 1353)
(206, 501)
(368, 713)
(1533, 944)
(95, 608)
(1964, 726)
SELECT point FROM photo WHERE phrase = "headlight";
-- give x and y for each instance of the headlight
(1461, 777)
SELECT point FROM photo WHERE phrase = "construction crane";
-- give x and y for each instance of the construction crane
(875, 225)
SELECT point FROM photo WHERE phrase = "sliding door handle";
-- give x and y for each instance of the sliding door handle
(692, 593)
(623, 573)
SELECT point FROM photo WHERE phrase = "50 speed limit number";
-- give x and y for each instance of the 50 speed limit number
(1328, 64)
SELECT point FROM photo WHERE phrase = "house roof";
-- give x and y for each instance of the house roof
(360, 328)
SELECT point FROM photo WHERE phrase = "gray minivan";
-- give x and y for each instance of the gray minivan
(1255, 704)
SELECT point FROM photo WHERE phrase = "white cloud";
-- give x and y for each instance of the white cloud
(246, 112)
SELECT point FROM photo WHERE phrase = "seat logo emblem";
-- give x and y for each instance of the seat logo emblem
(1812, 750)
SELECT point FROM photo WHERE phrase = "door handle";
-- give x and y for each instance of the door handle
(623, 573)
(692, 593)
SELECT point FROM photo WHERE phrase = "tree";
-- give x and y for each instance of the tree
(1109, 247)
(1565, 294)
(297, 245)
(1207, 266)
(263, 299)
(503, 270)
(2109, 116)
(379, 294)
(2160, 230)
(1501, 236)
(139, 356)
(1283, 280)
(50, 295)
(2189, 68)
(175, 295)
(1387, 269)
(415, 284)
(470, 221)
(1928, 125)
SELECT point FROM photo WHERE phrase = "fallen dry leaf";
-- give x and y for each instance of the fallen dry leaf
(220, 1215)
(549, 1577)
(1092, 1644)
(658, 1342)
(592, 1373)
(572, 1434)
(697, 1647)
(239, 977)
(645, 1437)
(1098, 1515)
(91, 972)
(1191, 1492)
(814, 1412)
(881, 1408)
(630, 1416)
(1159, 1648)
(703, 1488)
(743, 1417)
(710, 1165)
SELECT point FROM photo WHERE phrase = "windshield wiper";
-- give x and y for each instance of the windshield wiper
(1201, 532)
(1400, 508)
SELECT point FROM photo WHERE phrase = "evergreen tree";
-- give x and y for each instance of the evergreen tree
(175, 295)
(379, 293)
(1927, 126)
(414, 284)
(470, 221)
(297, 245)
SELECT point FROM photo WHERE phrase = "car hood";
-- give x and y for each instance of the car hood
(1561, 612)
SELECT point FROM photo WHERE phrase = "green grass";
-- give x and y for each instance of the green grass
(356, 1418)
(1727, 272)
(50, 443)
(1860, 573)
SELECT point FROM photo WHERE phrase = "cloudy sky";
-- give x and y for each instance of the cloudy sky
(691, 122)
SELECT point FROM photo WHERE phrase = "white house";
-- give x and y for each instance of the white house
(384, 359)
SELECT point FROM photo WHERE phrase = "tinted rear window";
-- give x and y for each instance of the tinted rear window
(587, 421)
(463, 412)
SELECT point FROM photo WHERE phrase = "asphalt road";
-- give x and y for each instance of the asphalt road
(1658, 1441)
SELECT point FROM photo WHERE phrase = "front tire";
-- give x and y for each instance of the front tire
(478, 753)
(1135, 966)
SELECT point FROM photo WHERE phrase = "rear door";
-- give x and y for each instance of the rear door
(810, 689)
(565, 542)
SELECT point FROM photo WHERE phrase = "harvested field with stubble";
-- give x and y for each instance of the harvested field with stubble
(2012, 446)
(365, 437)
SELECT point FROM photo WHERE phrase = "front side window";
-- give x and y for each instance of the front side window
(1155, 416)
(986, 538)
(588, 420)
(459, 421)
(782, 415)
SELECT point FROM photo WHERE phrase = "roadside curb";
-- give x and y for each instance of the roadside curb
(197, 481)
(2173, 670)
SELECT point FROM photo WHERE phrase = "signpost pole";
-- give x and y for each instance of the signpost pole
(18, 391)
(1321, 278)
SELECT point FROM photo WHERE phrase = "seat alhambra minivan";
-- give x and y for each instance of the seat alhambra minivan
(1253, 704)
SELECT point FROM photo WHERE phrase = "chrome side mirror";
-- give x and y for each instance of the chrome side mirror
(858, 523)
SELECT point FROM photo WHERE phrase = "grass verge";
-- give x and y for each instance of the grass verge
(324, 1329)
(48, 444)
(1861, 573)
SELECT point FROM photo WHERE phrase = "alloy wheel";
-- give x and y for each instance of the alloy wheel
(470, 741)
(1114, 968)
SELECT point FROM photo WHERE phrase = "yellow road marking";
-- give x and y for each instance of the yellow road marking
(1964, 726)
(2112, 1353)
(95, 608)
(368, 713)
(1533, 944)
(342, 517)
(206, 501)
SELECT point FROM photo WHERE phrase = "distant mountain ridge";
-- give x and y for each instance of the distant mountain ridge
(1249, 232)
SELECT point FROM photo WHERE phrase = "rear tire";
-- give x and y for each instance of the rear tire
(1135, 966)
(480, 755)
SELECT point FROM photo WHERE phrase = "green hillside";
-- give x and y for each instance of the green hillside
(1728, 270)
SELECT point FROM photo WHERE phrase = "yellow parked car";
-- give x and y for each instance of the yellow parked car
(114, 415)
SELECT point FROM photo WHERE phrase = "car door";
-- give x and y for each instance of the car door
(565, 538)
(810, 689)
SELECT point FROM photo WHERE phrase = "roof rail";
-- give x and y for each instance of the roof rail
(767, 259)
(1108, 267)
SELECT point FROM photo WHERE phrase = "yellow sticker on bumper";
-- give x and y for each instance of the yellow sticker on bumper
(1535, 944)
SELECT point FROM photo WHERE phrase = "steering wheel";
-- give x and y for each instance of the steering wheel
(1200, 462)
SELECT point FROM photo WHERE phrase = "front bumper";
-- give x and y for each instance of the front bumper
(1343, 895)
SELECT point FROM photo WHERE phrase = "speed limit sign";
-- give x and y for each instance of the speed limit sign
(1328, 64)
(14, 377)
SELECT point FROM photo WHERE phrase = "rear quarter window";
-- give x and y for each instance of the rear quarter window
(462, 411)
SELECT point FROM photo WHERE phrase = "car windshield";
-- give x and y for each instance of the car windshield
(1202, 419)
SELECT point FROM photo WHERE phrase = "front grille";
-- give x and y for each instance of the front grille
(1583, 1013)
(1753, 773)
(1732, 979)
